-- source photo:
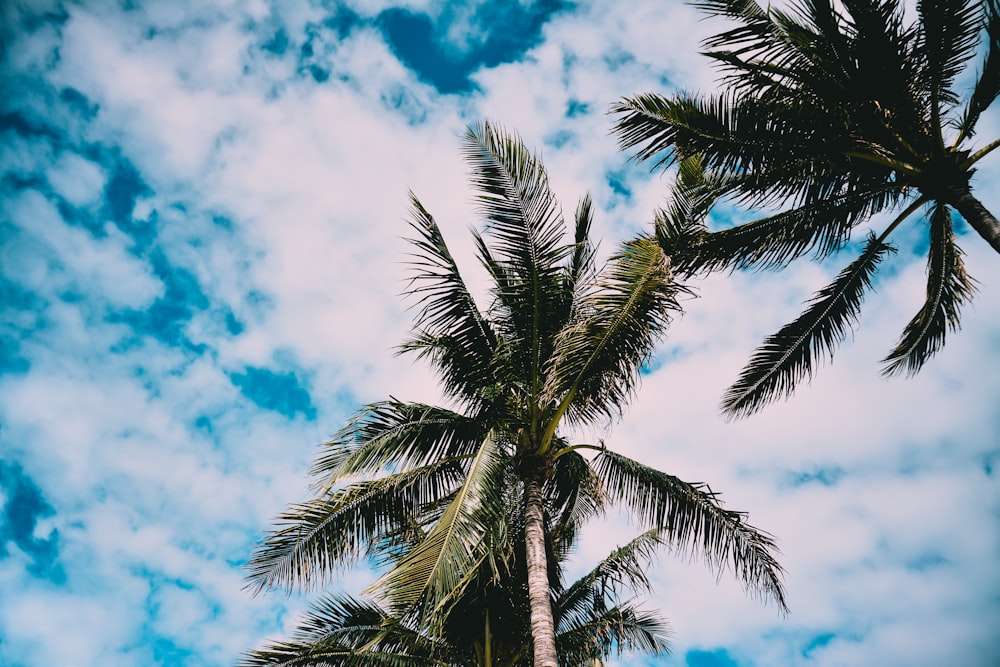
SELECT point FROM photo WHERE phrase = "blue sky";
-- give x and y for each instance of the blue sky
(201, 212)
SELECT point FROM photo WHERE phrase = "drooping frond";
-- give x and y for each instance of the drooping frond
(786, 357)
(312, 540)
(988, 83)
(596, 360)
(948, 286)
(822, 227)
(396, 433)
(730, 136)
(451, 331)
(694, 521)
(574, 495)
(778, 149)
(436, 570)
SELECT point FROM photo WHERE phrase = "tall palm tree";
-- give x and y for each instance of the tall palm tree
(423, 488)
(486, 626)
(839, 110)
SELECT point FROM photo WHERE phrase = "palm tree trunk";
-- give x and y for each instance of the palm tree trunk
(978, 217)
(543, 633)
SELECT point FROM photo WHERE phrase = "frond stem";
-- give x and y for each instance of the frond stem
(898, 165)
(907, 212)
(980, 154)
(601, 448)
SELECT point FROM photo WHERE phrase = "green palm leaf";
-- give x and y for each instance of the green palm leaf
(315, 539)
(787, 356)
(622, 571)
(451, 331)
(525, 224)
(594, 366)
(392, 433)
(694, 520)
(436, 568)
(947, 37)
(341, 630)
(822, 227)
(581, 269)
(617, 630)
(574, 496)
(948, 286)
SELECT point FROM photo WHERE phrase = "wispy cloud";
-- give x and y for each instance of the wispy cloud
(201, 208)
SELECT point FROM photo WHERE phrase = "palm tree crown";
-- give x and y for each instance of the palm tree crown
(425, 489)
(843, 110)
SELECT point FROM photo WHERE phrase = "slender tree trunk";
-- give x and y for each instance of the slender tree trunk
(543, 632)
(978, 217)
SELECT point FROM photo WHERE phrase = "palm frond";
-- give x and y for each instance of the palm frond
(779, 149)
(617, 630)
(694, 520)
(525, 225)
(594, 366)
(395, 433)
(436, 568)
(821, 227)
(947, 36)
(987, 85)
(573, 495)
(681, 224)
(948, 286)
(340, 630)
(787, 356)
(581, 270)
(451, 331)
(623, 571)
(313, 540)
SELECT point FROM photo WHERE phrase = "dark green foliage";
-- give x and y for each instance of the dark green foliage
(835, 112)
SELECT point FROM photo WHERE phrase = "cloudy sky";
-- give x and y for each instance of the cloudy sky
(202, 208)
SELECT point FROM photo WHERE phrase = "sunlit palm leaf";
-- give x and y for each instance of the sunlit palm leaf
(694, 521)
(436, 568)
(788, 356)
(948, 286)
(595, 363)
(317, 538)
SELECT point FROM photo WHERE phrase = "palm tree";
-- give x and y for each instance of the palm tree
(423, 488)
(487, 626)
(841, 110)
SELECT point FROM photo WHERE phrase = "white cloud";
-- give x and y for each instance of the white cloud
(162, 472)
(78, 180)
